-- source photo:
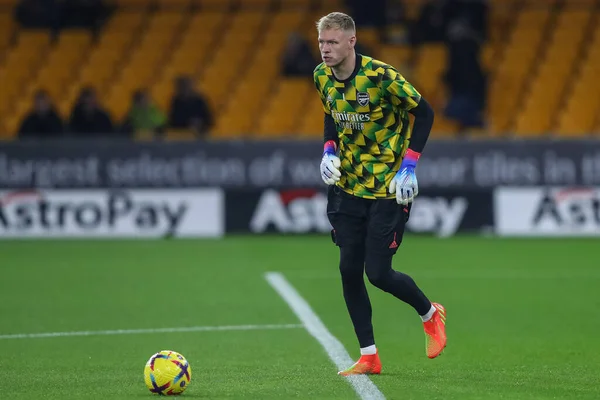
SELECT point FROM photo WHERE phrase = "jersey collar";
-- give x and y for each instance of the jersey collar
(357, 67)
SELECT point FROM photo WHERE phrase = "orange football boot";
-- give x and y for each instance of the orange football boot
(435, 332)
(366, 365)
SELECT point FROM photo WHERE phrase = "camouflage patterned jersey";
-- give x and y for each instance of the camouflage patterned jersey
(370, 110)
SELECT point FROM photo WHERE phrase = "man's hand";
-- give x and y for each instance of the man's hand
(405, 184)
(330, 164)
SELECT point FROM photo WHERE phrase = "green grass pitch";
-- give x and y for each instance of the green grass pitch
(523, 319)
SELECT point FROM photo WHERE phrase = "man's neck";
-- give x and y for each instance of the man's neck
(346, 68)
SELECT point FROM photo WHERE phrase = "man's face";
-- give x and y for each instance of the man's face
(184, 87)
(42, 104)
(89, 101)
(144, 100)
(335, 46)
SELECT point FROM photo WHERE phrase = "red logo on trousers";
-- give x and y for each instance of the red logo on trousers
(394, 244)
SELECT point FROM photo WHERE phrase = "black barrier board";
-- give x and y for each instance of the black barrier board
(304, 210)
(280, 164)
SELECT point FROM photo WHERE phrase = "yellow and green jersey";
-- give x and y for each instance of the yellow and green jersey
(370, 111)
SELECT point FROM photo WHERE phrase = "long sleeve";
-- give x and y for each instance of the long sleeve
(424, 116)
(402, 94)
(330, 131)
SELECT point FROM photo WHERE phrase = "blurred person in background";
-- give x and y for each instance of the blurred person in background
(465, 78)
(88, 118)
(430, 25)
(189, 109)
(62, 14)
(43, 122)
(396, 29)
(39, 13)
(144, 116)
(89, 14)
(371, 13)
(298, 59)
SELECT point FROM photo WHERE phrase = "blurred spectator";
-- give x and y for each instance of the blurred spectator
(430, 25)
(60, 14)
(396, 30)
(38, 13)
(189, 109)
(362, 48)
(144, 116)
(43, 122)
(465, 78)
(298, 59)
(89, 14)
(473, 12)
(369, 13)
(88, 119)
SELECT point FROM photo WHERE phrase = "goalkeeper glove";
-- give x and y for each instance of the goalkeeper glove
(330, 164)
(404, 184)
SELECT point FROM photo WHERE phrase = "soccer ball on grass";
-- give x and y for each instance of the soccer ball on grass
(167, 373)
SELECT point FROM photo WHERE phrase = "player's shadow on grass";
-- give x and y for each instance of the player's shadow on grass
(184, 395)
(384, 374)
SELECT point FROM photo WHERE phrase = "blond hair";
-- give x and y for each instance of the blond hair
(336, 20)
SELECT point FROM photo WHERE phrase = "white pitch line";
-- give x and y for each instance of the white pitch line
(363, 386)
(142, 331)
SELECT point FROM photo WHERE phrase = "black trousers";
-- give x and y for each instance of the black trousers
(368, 234)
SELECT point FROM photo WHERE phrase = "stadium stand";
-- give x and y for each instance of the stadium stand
(541, 58)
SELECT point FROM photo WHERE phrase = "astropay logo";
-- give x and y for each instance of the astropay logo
(105, 213)
(439, 215)
(293, 211)
(559, 211)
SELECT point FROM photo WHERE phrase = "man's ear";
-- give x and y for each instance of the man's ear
(352, 41)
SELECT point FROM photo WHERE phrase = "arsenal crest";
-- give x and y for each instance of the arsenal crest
(362, 98)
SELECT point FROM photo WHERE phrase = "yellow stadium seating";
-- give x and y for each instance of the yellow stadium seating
(54, 74)
(173, 4)
(552, 76)
(234, 49)
(412, 8)
(431, 62)
(132, 3)
(509, 80)
(281, 114)
(19, 67)
(179, 135)
(188, 55)
(6, 29)
(578, 114)
(257, 77)
(397, 56)
(214, 4)
(542, 58)
(311, 121)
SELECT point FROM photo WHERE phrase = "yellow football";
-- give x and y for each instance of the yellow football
(167, 373)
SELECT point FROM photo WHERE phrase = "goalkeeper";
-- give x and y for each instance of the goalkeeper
(369, 162)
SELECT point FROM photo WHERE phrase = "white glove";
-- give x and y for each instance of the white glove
(330, 172)
(405, 185)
